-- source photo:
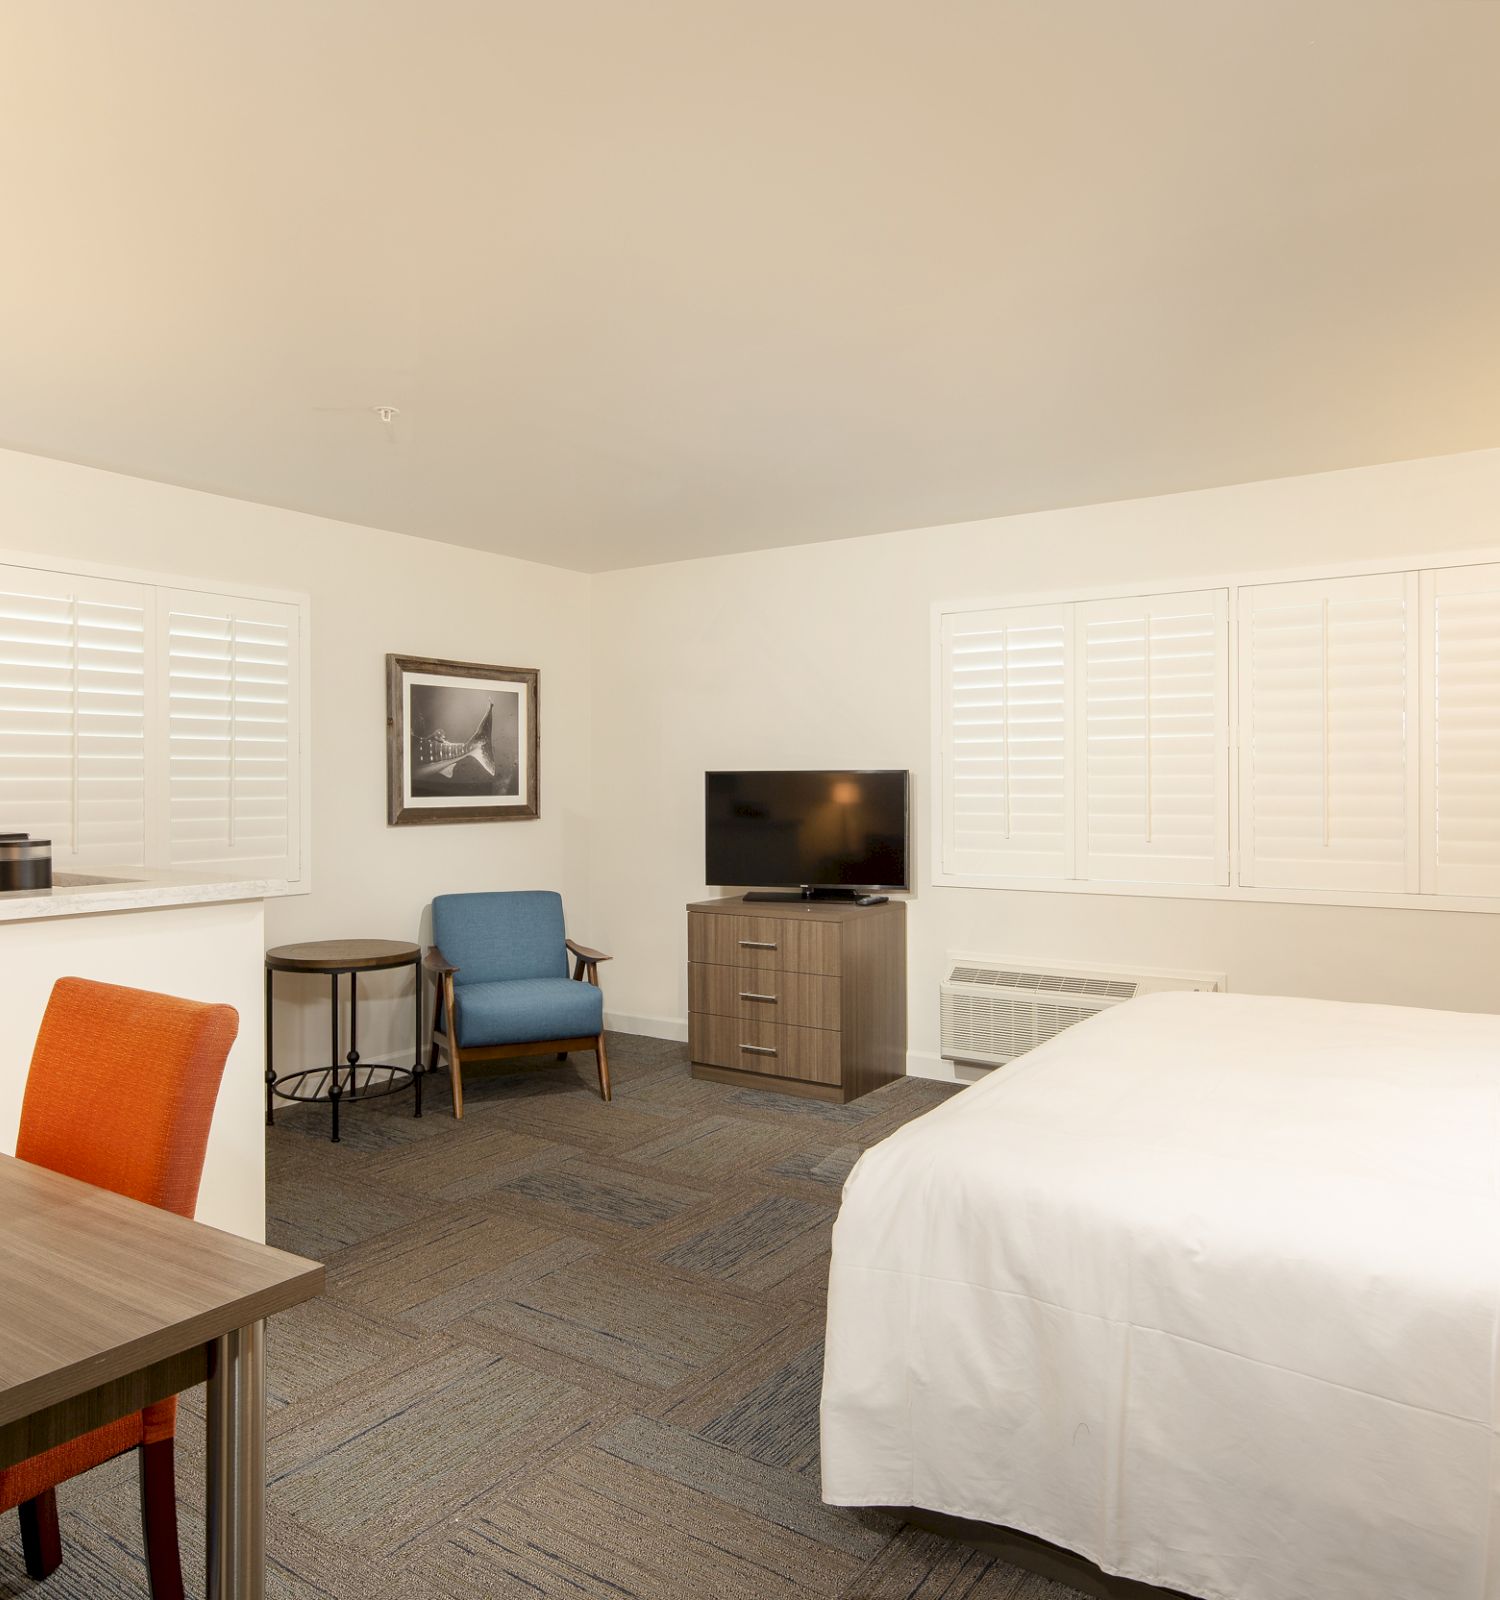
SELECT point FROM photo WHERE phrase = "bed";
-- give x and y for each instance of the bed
(1204, 1290)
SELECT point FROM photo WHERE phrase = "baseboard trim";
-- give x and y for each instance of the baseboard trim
(944, 1071)
(673, 1028)
(917, 1065)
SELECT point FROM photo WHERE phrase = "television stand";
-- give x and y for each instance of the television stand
(806, 999)
(809, 891)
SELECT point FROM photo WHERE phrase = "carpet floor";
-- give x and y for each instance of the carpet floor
(569, 1351)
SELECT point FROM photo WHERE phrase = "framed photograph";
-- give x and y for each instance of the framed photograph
(462, 742)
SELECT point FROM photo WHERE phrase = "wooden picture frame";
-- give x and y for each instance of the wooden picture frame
(486, 766)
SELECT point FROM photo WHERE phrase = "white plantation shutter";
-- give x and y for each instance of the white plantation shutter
(229, 698)
(73, 714)
(1153, 804)
(1007, 769)
(1461, 731)
(1328, 720)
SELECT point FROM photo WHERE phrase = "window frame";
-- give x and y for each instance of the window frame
(158, 586)
(1168, 584)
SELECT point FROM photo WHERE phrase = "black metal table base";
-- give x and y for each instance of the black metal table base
(396, 1078)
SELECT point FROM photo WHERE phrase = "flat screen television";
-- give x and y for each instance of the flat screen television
(819, 830)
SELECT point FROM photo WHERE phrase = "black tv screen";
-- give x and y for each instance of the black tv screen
(784, 829)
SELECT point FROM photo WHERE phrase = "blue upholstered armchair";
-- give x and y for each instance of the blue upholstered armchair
(500, 966)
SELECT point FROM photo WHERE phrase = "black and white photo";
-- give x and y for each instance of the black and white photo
(462, 741)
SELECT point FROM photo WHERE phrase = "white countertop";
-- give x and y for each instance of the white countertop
(131, 889)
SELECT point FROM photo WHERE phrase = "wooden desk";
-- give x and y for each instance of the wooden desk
(107, 1304)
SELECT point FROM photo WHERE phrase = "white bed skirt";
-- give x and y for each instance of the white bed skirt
(1205, 1290)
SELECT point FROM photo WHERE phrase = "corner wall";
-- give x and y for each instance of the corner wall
(820, 656)
(372, 592)
(814, 655)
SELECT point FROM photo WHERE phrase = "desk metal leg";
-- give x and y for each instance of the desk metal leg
(236, 1502)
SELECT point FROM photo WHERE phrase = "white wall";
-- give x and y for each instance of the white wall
(819, 656)
(815, 655)
(208, 952)
(372, 592)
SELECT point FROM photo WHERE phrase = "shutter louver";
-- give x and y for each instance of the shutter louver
(231, 678)
(1461, 733)
(1153, 770)
(73, 694)
(1327, 722)
(1007, 758)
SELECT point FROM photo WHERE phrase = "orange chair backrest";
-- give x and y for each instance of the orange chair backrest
(122, 1087)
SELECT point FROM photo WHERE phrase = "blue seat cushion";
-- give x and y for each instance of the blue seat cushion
(527, 1009)
(515, 933)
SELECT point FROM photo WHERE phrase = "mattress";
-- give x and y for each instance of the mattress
(1205, 1289)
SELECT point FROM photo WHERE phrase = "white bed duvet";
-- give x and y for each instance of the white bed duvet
(1206, 1290)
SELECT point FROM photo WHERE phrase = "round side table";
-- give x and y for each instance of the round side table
(333, 958)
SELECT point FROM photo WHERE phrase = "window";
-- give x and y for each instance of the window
(1152, 728)
(1007, 766)
(1328, 700)
(73, 691)
(142, 725)
(1086, 741)
(1461, 735)
(1087, 744)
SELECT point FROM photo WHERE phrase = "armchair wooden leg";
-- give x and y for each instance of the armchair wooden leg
(41, 1541)
(456, 1073)
(603, 1067)
(562, 1055)
(159, 1519)
(455, 1065)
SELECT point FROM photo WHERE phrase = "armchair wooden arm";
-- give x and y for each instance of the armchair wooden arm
(436, 962)
(587, 964)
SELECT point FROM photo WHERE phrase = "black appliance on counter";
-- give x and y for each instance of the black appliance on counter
(25, 863)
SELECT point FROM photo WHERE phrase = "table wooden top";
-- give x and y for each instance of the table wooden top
(342, 955)
(94, 1286)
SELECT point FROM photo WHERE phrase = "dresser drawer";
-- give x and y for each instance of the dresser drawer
(755, 994)
(766, 944)
(810, 1054)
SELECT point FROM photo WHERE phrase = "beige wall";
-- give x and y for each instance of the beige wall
(372, 592)
(816, 655)
(819, 655)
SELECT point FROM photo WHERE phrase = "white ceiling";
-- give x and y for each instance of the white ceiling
(651, 279)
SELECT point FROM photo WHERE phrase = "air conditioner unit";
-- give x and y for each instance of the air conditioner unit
(995, 1009)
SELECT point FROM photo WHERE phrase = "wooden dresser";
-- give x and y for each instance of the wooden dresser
(806, 998)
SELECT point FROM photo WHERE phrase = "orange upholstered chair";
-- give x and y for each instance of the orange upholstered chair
(120, 1094)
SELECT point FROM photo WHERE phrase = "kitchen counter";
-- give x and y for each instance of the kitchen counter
(91, 891)
(200, 935)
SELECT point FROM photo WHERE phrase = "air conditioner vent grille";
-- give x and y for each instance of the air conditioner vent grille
(998, 1007)
(1045, 982)
(995, 1029)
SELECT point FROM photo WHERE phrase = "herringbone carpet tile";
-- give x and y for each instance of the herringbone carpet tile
(569, 1351)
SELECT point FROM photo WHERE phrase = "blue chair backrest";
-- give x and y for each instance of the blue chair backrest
(493, 938)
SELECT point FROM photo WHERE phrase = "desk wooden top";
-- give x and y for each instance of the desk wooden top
(94, 1286)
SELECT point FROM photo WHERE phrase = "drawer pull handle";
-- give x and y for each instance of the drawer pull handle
(757, 1049)
(757, 944)
(770, 999)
